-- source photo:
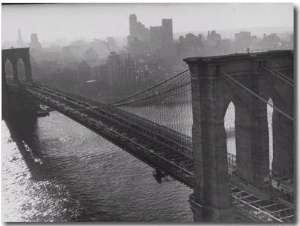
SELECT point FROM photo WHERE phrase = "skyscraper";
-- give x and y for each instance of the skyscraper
(132, 24)
(20, 42)
(35, 44)
(161, 38)
(167, 33)
(138, 32)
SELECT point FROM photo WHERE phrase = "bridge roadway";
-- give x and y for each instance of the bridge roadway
(158, 147)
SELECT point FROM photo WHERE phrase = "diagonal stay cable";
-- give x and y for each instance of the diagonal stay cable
(256, 95)
(278, 76)
(37, 64)
(279, 73)
(238, 96)
(152, 87)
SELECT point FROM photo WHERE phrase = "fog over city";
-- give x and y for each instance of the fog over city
(89, 21)
(148, 112)
(118, 46)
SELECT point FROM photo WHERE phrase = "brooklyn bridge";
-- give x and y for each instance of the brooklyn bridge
(248, 184)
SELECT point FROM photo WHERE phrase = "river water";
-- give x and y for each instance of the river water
(59, 171)
(55, 170)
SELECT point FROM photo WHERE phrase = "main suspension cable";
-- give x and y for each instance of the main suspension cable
(152, 87)
(148, 98)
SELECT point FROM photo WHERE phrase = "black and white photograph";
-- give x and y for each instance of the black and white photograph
(142, 112)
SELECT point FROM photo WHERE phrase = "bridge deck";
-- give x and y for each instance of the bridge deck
(126, 135)
(157, 150)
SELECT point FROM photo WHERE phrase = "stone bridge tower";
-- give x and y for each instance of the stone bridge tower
(212, 91)
(14, 104)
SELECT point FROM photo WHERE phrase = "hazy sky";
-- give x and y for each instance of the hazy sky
(51, 21)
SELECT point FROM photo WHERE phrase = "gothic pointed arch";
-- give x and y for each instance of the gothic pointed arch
(18, 58)
(21, 70)
(8, 72)
(270, 129)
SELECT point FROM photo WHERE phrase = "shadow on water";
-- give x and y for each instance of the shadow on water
(94, 188)
(25, 134)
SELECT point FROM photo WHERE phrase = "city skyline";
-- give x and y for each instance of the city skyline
(59, 16)
(170, 113)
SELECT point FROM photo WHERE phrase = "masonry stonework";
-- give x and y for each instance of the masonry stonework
(212, 91)
(14, 104)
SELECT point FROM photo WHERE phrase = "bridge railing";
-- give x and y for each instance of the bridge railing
(251, 212)
(171, 168)
(242, 206)
(231, 160)
(146, 126)
(171, 137)
(167, 135)
(133, 117)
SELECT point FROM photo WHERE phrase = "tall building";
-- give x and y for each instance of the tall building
(213, 37)
(137, 31)
(190, 41)
(167, 33)
(244, 40)
(242, 35)
(156, 39)
(35, 45)
(161, 38)
(132, 24)
(120, 72)
(20, 42)
(271, 42)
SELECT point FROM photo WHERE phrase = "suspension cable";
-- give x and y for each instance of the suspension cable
(145, 98)
(37, 64)
(138, 101)
(256, 95)
(157, 94)
(279, 73)
(149, 88)
(279, 76)
(164, 91)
